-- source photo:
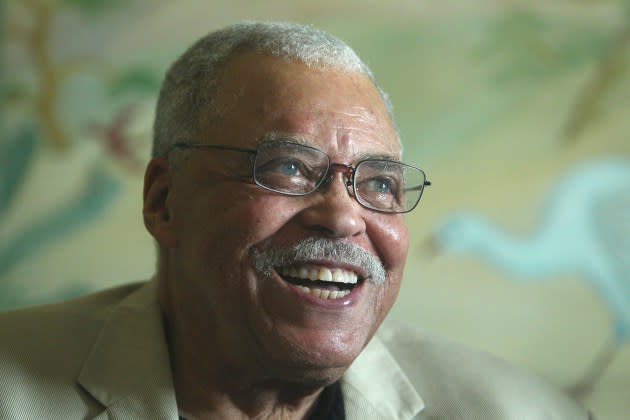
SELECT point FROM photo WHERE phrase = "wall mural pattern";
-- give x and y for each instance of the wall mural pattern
(516, 110)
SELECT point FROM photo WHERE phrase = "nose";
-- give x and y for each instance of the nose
(333, 211)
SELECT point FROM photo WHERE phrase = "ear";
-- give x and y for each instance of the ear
(158, 216)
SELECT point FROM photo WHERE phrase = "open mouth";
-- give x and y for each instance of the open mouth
(321, 282)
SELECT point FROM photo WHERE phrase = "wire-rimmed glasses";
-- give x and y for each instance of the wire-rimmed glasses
(292, 168)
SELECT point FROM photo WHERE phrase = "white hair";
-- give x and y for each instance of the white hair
(190, 84)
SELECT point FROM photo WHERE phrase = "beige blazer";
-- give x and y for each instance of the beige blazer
(104, 356)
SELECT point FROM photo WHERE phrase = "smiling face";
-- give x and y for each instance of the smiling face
(280, 322)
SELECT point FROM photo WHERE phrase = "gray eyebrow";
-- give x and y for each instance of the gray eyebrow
(387, 157)
(276, 135)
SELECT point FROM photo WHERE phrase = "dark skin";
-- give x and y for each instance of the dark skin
(244, 345)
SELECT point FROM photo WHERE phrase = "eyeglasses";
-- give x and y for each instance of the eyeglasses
(296, 169)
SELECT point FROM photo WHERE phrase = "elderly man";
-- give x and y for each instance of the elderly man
(275, 195)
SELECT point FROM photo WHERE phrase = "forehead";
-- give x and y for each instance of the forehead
(341, 113)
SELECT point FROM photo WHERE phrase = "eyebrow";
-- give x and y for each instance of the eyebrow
(380, 156)
(276, 135)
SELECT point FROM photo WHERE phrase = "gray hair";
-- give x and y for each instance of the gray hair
(190, 84)
(322, 249)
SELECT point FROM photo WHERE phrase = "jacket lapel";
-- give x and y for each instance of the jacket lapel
(376, 387)
(128, 368)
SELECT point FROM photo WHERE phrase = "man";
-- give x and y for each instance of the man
(275, 195)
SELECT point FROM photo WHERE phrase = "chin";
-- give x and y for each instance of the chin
(319, 378)
(313, 376)
(321, 359)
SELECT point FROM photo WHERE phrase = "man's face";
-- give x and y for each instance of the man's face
(221, 220)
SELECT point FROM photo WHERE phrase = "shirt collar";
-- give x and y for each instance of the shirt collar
(376, 386)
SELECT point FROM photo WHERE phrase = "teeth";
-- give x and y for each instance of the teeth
(325, 294)
(336, 275)
(325, 274)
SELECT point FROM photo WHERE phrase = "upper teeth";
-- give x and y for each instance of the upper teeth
(337, 275)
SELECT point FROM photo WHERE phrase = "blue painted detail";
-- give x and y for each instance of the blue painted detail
(18, 297)
(98, 193)
(584, 230)
(16, 155)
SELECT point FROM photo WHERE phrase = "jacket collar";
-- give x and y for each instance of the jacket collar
(376, 387)
(128, 368)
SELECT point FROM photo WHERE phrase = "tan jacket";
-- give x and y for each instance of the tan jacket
(104, 356)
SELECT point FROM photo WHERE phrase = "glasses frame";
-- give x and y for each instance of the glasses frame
(347, 170)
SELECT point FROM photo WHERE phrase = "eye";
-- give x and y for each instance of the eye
(290, 167)
(380, 185)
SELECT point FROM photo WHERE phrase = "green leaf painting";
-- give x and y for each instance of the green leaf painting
(140, 80)
(93, 7)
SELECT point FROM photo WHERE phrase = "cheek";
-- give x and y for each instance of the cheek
(390, 237)
(220, 230)
(245, 219)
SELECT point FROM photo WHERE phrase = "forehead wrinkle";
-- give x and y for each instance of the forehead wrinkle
(362, 113)
(366, 121)
(350, 139)
(346, 131)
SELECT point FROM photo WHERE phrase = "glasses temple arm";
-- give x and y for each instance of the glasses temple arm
(420, 187)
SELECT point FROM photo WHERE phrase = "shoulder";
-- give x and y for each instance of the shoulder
(42, 349)
(61, 328)
(458, 382)
(54, 321)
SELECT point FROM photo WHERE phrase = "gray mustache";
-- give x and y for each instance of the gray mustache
(319, 249)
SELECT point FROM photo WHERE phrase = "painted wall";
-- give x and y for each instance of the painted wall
(517, 110)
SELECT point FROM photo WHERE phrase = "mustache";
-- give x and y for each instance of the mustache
(319, 249)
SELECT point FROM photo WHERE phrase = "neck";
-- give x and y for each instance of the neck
(210, 384)
(206, 388)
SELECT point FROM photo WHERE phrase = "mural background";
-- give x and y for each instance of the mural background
(496, 100)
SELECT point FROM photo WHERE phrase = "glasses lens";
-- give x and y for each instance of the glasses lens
(289, 168)
(388, 186)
